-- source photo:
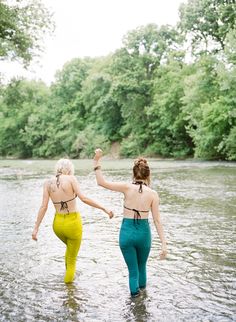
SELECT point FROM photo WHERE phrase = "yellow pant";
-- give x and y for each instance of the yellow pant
(68, 227)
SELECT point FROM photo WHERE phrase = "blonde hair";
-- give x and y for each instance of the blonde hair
(64, 166)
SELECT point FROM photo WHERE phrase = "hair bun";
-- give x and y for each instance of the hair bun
(140, 161)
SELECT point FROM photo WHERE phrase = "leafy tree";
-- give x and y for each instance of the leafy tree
(212, 130)
(151, 44)
(144, 96)
(167, 125)
(88, 140)
(208, 22)
(66, 106)
(22, 102)
(22, 26)
(230, 144)
(100, 100)
(134, 69)
(209, 108)
(227, 80)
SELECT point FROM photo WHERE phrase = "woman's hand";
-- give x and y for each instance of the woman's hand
(163, 252)
(98, 154)
(34, 234)
(109, 212)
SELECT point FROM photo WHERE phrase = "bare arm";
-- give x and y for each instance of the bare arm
(158, 224)
(88, 201)
(114, 186)
(42, 210)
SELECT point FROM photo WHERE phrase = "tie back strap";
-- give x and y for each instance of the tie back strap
(137, 214)
(58, 181)
(140, 185)
(64, 204)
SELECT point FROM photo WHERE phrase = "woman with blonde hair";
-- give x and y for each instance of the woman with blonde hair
(63, 189)
(135, 234)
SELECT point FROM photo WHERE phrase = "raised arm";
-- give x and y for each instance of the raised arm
(42, 210)
(86, 200)
(158, 224)
(114, 186)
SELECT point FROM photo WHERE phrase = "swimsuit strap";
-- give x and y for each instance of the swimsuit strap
(135, 210)
(58, 181)
(64, 204)
(140, 185)
(137, 215)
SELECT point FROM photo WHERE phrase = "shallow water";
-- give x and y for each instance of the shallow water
(197, 282)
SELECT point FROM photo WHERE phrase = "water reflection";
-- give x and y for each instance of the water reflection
(71, 301)
(136, 309)
(74, 301)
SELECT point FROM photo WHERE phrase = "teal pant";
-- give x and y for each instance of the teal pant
(135, 245)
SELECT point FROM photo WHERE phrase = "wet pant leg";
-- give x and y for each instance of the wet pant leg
(68, 227)
(135, 244)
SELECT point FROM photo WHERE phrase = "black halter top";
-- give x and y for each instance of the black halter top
(137, 215)
(64, 204)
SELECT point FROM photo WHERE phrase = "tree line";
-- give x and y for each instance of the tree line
(168, 91)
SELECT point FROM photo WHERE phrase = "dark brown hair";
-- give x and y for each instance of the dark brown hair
(141, 170)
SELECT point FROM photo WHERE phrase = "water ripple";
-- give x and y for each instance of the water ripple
(196, 283)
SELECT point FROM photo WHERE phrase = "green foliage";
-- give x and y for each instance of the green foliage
(99, 97)
(145, 97)
(22, 26)
(230, 47)
(166, 120)
(87, 141)
(69, 80)
(209, 107)
(230, 144)
(20, 102)
(208, 22)
(134, 69)
(211, 131)
(130, 146)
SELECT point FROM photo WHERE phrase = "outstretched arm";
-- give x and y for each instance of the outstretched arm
(114, 186)
(158, 224)
(88, 201)
(42, 210)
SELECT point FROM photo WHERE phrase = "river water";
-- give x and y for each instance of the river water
(197, 282)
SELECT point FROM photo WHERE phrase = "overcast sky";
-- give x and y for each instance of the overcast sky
(92, 28)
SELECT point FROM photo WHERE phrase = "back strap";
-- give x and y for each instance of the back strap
(137, 215)
(58, 181)
(64, 204)
(140, 185)
(135, 210)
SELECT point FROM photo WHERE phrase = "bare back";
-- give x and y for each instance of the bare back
(135, 199)
(61, 193)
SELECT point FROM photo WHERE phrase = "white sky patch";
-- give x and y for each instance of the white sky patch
(91, 28)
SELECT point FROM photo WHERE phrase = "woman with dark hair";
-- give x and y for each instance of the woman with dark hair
(135, 234)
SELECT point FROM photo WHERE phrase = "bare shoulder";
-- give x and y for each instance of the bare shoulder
(155, 195)
(154, 192)
(72, 178)
(49, 181)
(49, 184)
(126, 186)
